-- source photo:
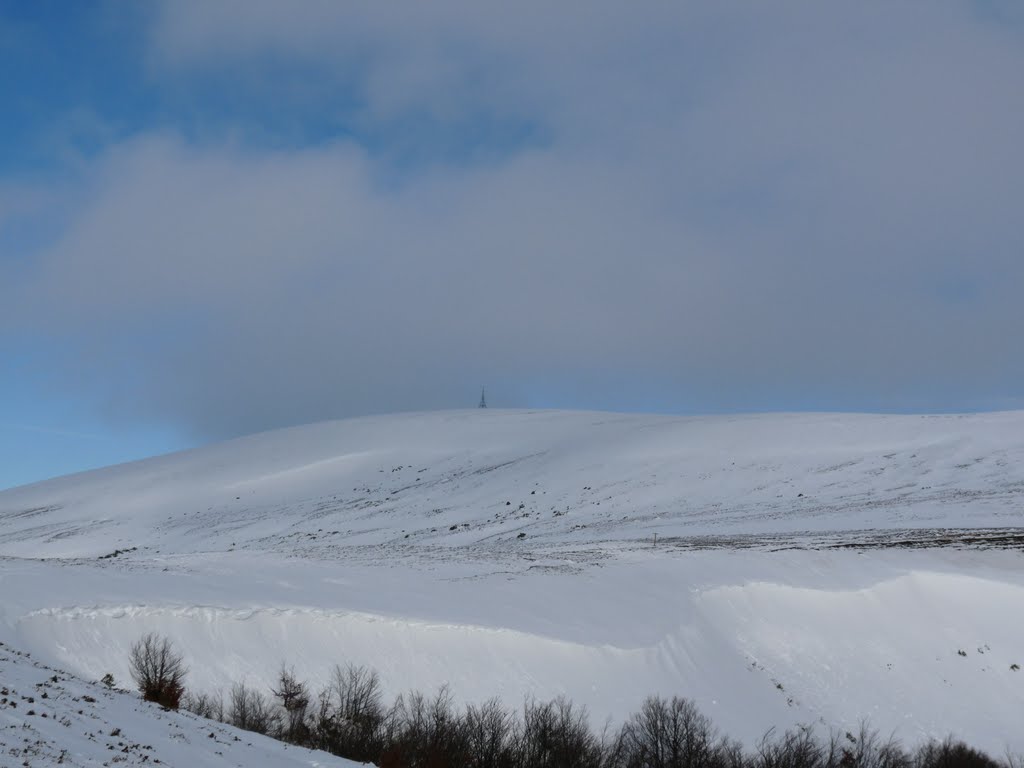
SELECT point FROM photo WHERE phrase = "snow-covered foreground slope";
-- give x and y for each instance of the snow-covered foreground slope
(48, 717)
(512, 553)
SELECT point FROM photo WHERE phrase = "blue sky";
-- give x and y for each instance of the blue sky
(220, 217)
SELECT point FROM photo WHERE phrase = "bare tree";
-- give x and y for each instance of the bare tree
(488, 732)
(555, 734)
(797, 748)
(205, 705)
(158, 670)
(952, 754)
(294, 698)
(867, 749)
(249, 709)
(350, 713)
(670, 734)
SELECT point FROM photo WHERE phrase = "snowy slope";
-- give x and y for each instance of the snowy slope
(497, 473)
(808, 567)
(48, 717)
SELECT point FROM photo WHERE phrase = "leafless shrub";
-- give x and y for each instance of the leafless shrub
(293, 696)
(867, 749)
(952, 754)
(794, 749)
(205, 705)
(426, 732)
(249, 709)
(350, 713)
(489, 729)
(348, 718)
(158, 670)
(669, 734)
(556, 734)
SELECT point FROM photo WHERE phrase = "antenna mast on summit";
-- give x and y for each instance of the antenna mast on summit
(483, 399)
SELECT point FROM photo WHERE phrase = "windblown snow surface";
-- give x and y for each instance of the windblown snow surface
(808, 568)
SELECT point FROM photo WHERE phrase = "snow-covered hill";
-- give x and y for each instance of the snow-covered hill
(563, 478)
(807, 567)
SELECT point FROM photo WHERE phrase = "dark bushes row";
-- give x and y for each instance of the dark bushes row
(348, 717)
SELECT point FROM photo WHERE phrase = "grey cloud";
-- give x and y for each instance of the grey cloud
(750, 208)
